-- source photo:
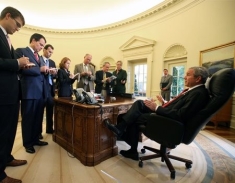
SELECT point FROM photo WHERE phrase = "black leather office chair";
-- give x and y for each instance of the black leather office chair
(170, 133)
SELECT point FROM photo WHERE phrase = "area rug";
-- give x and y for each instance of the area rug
(219, 154)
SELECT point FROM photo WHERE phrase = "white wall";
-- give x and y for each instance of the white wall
(195, 24)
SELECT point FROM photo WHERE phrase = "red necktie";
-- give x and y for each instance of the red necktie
(36, 56)
(182, 93)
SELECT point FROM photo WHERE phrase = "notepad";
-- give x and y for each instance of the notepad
(30, 65)
(78, 74)
(113, 77)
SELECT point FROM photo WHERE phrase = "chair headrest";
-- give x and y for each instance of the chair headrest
(221, 87)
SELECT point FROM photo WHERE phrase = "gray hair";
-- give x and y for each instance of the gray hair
(105, 63)
(201, 71)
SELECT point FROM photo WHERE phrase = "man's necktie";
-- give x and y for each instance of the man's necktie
(182, 93)
(104, 77)
(49, 75)
(86, 77)
(9, 41)
(36, 56)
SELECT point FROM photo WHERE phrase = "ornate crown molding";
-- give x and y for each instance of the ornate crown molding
(153, 11)
(175, 51)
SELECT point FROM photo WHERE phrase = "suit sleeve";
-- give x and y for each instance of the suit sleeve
(33, 71)
(62, 78)
(76, 69)
(169, 82)
(92, 77)
(98, 79)
(185, 107)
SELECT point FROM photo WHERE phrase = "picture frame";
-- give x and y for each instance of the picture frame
(218, 57)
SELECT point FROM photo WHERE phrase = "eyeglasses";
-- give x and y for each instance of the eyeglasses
(17, 23)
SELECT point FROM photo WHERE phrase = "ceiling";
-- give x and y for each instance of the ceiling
(77, 14)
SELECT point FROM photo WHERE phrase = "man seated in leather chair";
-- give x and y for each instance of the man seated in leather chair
(181, 108)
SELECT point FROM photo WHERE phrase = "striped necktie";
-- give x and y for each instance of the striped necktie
(36, 56)
(182, 93)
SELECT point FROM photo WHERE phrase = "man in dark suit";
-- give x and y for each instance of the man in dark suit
(181, 109)
(120, 81)
(165, 85)
(33, 85)
(103, 80)
(50, 76)
(11, 20)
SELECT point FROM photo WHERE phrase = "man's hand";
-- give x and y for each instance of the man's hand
(23, 61)
(160, 99)
(52, 71)
(150, 104)
(44, 69)
(71, 76)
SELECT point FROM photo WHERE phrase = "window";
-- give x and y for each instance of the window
(178, 80)
(140, 80)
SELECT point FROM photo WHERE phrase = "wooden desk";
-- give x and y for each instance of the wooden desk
(79, 128)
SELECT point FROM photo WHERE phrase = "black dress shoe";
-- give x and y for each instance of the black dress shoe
(30, 150)
(113, 128)
(40, 136)
(41, 143)
(130, 154)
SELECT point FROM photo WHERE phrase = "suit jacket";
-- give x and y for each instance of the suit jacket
(118, 87)
(183, 107)
(166, 82)
(33, 82)
(98, 81)
(9, 90)
(53, 77)
(79, 69)
(64, 84)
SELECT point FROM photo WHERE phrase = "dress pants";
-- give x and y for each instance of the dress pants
(166, 95)
(134, 117)
(49, 104)
(32, 116)
(8, 120)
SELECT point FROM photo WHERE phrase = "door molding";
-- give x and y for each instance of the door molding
(135, 49)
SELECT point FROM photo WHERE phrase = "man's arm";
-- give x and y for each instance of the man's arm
(92, 76)
(187, 105)
(75, 69)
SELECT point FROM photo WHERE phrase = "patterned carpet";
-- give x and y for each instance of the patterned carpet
(213, 162)
(219, 155)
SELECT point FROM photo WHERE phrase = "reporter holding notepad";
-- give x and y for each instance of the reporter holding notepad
(87, 74)
(120, 82)
(50, 75)
(103, 81)
(65, 79)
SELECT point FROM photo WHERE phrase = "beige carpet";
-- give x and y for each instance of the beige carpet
(213, 161)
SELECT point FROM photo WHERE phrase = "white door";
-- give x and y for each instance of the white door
(177, 70)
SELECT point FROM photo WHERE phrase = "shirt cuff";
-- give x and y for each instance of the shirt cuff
(156, 108)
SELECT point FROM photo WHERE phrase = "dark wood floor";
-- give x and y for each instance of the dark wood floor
(222, 130)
